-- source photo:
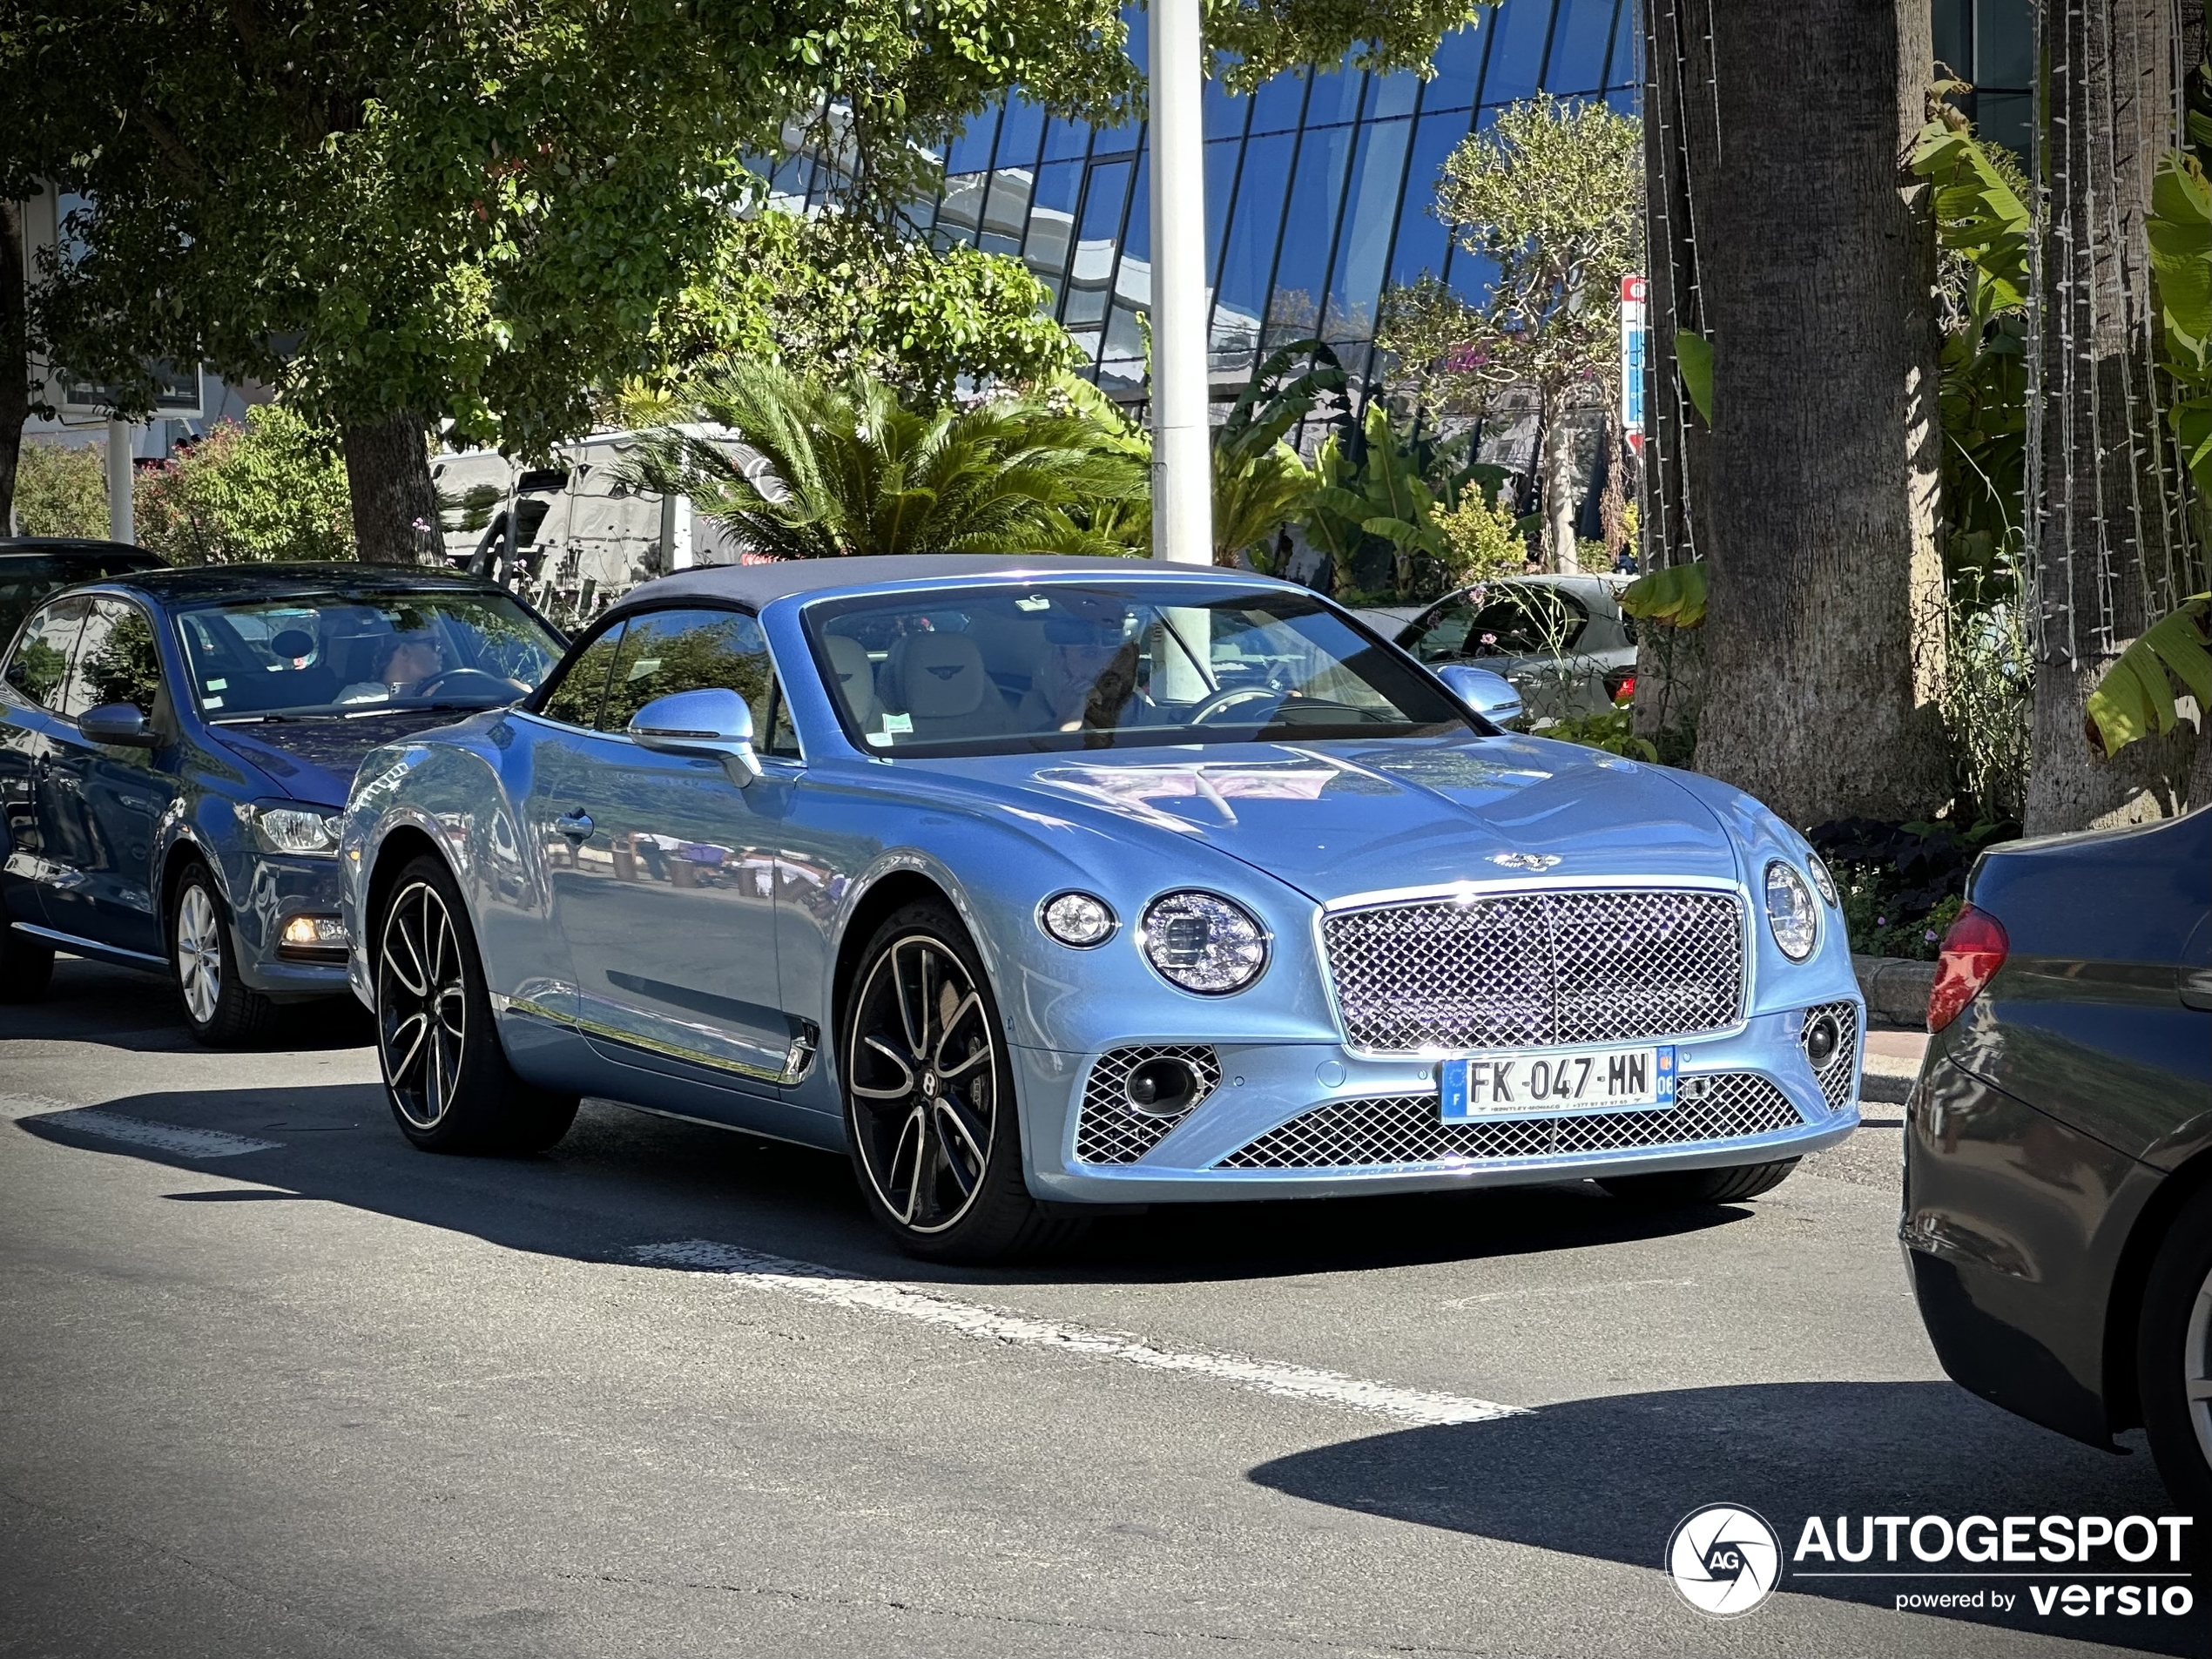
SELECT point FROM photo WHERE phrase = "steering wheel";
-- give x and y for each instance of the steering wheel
(431, 683)
(1222, 701)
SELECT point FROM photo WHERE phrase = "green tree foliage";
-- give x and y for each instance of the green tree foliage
(1549, 195)
(850, 469)
(1259, 482)
(270, 488)
(61, 489)
(414, 211)
(1373, 494)
(837, 295)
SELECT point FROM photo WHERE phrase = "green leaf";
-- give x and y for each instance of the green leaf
(1693, 357)
(2134, 699)
(1674, 596)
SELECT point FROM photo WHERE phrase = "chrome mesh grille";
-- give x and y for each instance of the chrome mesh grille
(1835, 1076)
(1408, 1129)
(1107, 1129)
(1532, 970)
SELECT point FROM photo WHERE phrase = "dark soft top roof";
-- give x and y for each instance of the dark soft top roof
(198, 584)
(756, 584)
(75, 547)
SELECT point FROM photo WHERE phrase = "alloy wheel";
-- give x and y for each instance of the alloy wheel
(199, 952)
(2196, 1368)
(421, 1004)
(923, 1073)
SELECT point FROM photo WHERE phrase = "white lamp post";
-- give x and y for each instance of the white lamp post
(1182, 466)
(120, 527)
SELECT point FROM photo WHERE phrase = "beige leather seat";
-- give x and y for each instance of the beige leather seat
(937, 681)
(855, 678)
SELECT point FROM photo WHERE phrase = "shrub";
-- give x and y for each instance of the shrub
(271, 488)
(1900, 884)
(61, 490)
(1485, 538)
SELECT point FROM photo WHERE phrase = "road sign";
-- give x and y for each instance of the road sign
(1632, 347)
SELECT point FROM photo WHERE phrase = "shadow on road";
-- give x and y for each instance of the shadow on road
(624, 1178)
(1611, 1478)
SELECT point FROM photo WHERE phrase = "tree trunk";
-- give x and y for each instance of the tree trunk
(2110, 546)
(15, 358)
(1816, 259)
(1679, 146)
(1559, 486)
(395, 508)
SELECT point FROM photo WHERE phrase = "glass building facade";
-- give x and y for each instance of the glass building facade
(1319, 187)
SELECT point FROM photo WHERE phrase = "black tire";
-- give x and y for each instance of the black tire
(26, 966)
(445, 1074)
(915, 1124)
(2173, 1346)
(1675, 1188)
(220, 1009)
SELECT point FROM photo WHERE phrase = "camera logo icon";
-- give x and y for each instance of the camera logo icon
(1725, 1560)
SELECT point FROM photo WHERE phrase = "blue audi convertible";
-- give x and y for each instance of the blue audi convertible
(1041, 885)
(175, 749)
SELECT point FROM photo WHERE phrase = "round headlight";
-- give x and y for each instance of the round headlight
(1202, 942)
(1790, 913)
(1077, 919)
(1821, 879)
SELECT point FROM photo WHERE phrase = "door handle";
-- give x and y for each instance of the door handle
(2196, 988)
(576, 825)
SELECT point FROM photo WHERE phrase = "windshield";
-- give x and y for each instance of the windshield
(1006, 669)
(362, 652)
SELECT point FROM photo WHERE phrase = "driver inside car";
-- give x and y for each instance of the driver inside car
(1086, 680)
(403, 665)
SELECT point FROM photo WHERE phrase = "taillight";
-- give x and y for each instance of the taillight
(1620, 685)
(1973, 950)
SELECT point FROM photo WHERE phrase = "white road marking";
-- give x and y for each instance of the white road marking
(759, 1272)
(164, 1137)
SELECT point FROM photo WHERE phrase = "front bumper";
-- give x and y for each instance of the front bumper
(269, 890)
(1224, 1148)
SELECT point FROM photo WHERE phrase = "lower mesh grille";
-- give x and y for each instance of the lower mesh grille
(1108, 1129)
(1405, 1129)
(1835, 1076)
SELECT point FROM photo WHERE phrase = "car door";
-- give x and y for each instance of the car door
(35, 680)
(99, 804)
(668, 911)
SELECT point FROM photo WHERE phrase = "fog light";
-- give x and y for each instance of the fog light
(1823, 1038)
(1161, 1088)
(321, 936)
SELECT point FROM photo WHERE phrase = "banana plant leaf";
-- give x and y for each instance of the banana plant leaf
(1693, 357)
(1675, 597)
(2136, 697)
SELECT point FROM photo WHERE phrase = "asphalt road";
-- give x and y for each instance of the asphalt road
(294, 1389)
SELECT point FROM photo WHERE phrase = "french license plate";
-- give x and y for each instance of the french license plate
(1518, 1083)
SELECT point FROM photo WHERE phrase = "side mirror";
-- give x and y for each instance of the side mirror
(714, 722)
(117, 724)
(1490, 695)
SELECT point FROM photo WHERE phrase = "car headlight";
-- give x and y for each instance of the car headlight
(296, 830)
(1080, 920)
(1202, 942)
(1790, 915)
(1822, 879)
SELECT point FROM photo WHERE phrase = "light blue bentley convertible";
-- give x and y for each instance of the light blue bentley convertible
(1044, 886)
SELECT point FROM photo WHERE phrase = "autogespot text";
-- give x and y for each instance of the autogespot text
(2130, 1567)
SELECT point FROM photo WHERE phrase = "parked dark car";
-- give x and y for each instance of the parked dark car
(175, 745)
(33, 566)
(2058, 1154)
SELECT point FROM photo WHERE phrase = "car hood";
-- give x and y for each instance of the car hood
(313, 758)
(1337, 818)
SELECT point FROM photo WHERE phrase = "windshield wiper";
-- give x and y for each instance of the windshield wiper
(253, 719)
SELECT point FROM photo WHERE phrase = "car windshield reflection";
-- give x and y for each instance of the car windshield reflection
(362, 652)
(1000, 669)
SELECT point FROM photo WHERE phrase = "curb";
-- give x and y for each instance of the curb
(1896, 987)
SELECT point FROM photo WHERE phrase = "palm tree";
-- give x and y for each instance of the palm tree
(832, 470)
